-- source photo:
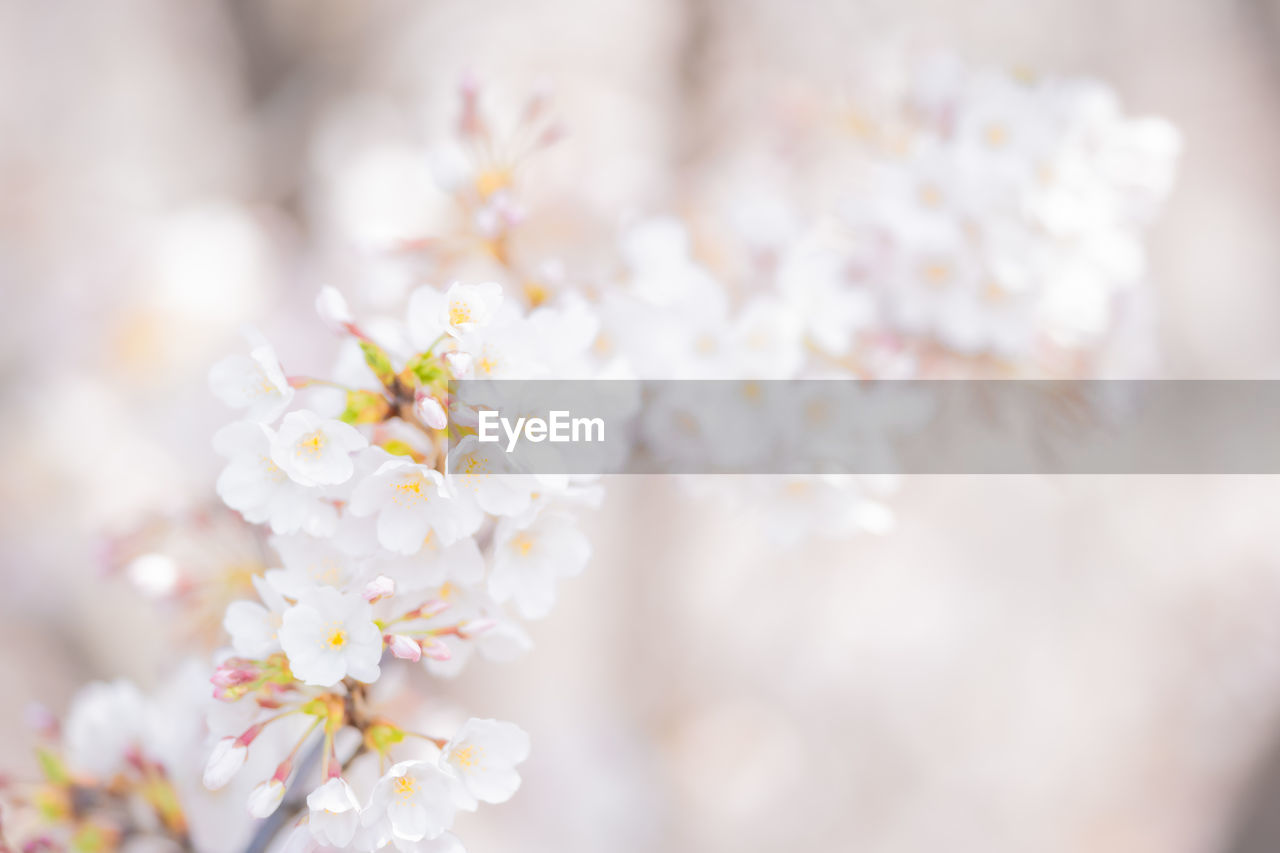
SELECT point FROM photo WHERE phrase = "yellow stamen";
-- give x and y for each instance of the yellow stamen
(467, 757)
(523, 543)
(490, 181)
(936, 273)
(536, 293)
(459, 313)
(312, 445)
(930, 196)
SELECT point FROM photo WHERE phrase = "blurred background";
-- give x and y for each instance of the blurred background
(1022, 665)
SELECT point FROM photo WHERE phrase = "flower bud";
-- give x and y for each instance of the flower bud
(224, 762)
(41, 720)
(460, 364)
(379, 588)
(333, 310)
(232, 673)
(429, 409)
(476, 627)
(265, 797)
(433, 608)
(436, 649)
(404, 647)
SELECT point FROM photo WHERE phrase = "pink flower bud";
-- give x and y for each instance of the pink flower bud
(476, 627)
(460, 364)
(429, 409)
(433, 608)
(41, 720)
(224, 762)
(265, 797)
(435, 649)
(231, 674)
(379, 588)
(404, 647)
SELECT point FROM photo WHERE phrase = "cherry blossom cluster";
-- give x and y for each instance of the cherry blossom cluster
(390, 548)
(985, 225)
(1013, 219)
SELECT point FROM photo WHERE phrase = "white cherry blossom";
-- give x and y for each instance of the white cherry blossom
(316, 451)
(410, 502)
(253, 382)
(308, 562)
(432, 565)
(259, 489)
(334, 813)
(529, 559)
(254, 626)
(482, 756)
(460, 309)
(329, 636)
(103, 724)
(411, 803)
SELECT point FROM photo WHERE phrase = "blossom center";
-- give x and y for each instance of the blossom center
(337, 638)
(523, 543)
(937, 273)
(411, 489)
(312, 444)
(996, 135)
(930, 196)
(467, 757)
(459, 313)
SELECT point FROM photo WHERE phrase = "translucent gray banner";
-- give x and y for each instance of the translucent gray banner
(574, 427)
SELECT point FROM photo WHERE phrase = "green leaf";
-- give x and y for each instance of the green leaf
(365, 407)
(426, 369)
(382, 736)
(378, 362)
(52, 767)
(398, 448)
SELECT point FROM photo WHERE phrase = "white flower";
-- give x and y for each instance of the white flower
(474, 470)
(254, 627)
(413, 802)
(410, 502)
(460, 309)
(335, 813)
(813, 279)
(316, 451)
(308, 562)
(379, 588)
(447, 843)
(103, 725)
(329, 636)
(224, 762)
(482, 756)
(483, 628)
(258, 489)
(529, 559)
(265, 797)
(433, 564)
(499, 353)
(255, 383)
